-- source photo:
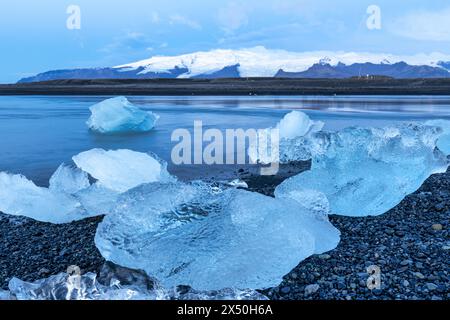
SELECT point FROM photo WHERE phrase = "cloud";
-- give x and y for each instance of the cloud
(154, 17)
(185, 21)
(131, 41)
(423, 25)
(232, 17)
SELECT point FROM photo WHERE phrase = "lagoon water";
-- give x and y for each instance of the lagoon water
(38, 133)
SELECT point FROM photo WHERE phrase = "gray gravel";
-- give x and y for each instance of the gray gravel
(410, 244)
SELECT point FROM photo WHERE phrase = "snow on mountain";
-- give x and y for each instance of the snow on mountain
(262, 62)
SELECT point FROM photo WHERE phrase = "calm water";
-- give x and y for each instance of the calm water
(37, 134)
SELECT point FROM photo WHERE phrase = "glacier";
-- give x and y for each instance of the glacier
(70, 195)
(211, 238)
(367, 171)
(262, 62)
(118, 115)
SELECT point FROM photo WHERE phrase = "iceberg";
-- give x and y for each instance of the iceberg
(211, 238)
(121, 170)
(367, 171)
(118, 115)
(294, 130)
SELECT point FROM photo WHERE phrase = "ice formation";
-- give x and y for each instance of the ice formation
(212, 238)
(118, 115)
(369, 171)
(121, 170)
(68, 180)
(443, 142)
(70, 195)
(126, 285)
(294, 130)
(20, 196)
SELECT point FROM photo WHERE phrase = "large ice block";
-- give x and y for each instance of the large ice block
(367, 171)
(209, 238)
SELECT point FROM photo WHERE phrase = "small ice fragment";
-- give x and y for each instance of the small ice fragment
(118, 115)
(237, 183)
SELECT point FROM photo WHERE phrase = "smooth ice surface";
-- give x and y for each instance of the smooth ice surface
(118, 115)
(297, 124)
(211, 238)
(443, 142)
(70, 195)
(20, 196)
(294, 132)
(87, 287)
(369, 171)
(68, 180)
(121, 170)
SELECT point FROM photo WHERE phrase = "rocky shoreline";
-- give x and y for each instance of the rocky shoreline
(410, 244)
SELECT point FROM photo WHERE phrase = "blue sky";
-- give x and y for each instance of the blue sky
(34, 37)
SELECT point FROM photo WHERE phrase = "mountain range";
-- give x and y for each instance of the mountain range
(262, 62)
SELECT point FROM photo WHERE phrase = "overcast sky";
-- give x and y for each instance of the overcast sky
(35, 38)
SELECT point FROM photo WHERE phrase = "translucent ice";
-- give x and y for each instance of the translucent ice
(120, 284)
(121, 170)
(443, 142)
(294, 130)
(297, 124)
(84, 287)
(20, 196)
(5, 295)
(69, 180)
(70, 195)
(369, 171)
(118, 115)
(209, 239)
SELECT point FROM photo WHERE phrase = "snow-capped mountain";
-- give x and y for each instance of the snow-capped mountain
(262, 62)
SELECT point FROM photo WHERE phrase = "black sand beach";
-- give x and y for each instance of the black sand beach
(410, 244)
(233, 86)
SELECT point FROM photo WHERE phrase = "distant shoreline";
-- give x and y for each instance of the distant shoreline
(232, 87)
